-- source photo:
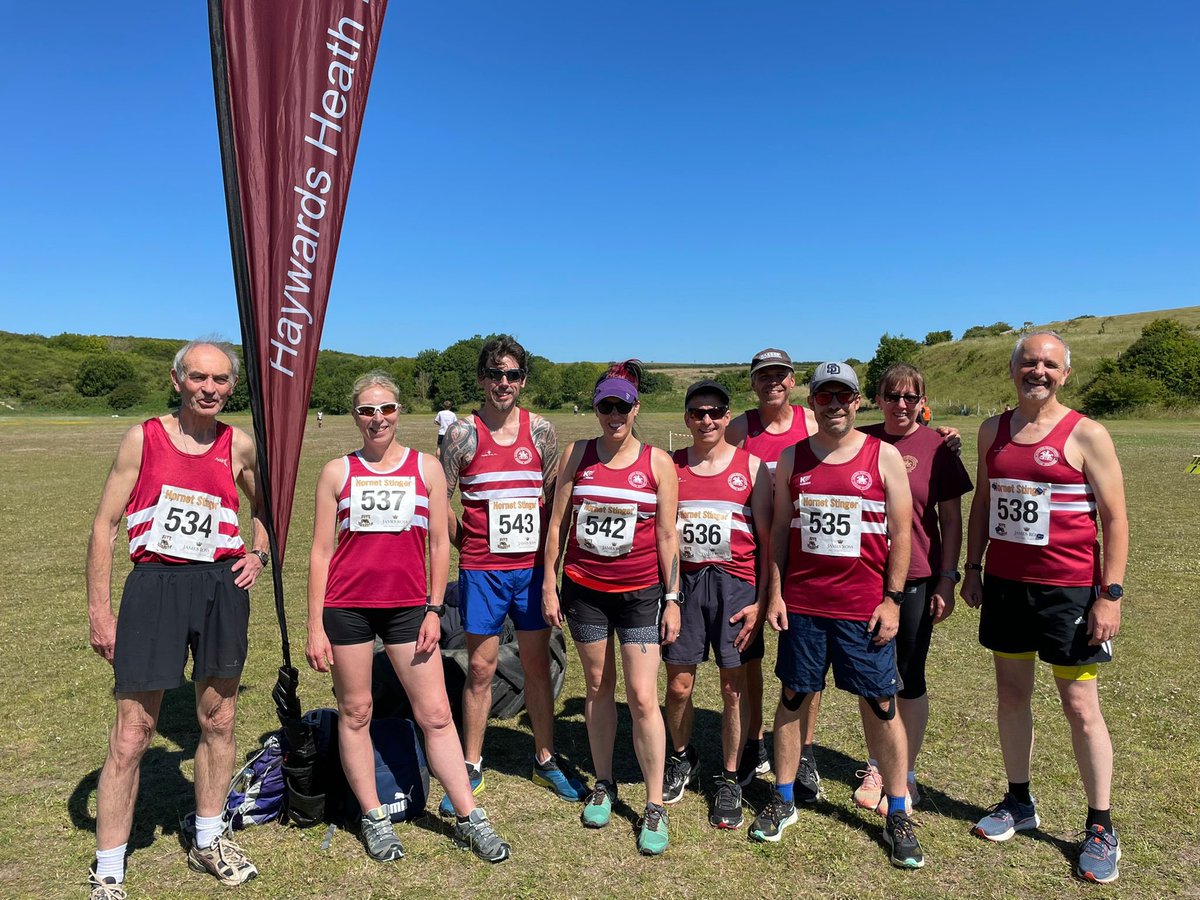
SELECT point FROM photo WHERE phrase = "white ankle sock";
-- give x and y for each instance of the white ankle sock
(111, 863)
(208, 829)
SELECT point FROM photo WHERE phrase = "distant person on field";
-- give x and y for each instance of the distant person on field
(175, 481)
(444, 419)
(504, 460)
(1046, 591)
(320, 418)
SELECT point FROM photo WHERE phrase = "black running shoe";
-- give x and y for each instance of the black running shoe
(726, 810)
(753, 761)
(777, 815)
(808, 781)
(681, 770)
(906, 849)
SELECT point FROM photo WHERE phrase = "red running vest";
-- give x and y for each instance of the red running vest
(510, 476)
(838, 542)
(177, 488)
(379, 569)
(710, 504)
(1041, 510)
(769, 447)
(617, 498)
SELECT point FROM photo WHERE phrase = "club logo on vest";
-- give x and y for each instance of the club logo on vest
(638, 480)
(862, 480)
(738, 481)
(804, 481)
(523, 455)
(910, 462)
(1046, 455)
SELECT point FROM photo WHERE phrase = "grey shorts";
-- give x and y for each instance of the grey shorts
(710, 596)
(167, 611)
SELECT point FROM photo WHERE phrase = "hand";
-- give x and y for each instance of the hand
(1104, 620)
(319, 651)
(950, 437)
(885, 622)
(103, 636)
(749, 617)
(430, 634)
(777, 616)
(972, 589)
(551, 607)
(941, 604)
(248, 569)
(671, 617)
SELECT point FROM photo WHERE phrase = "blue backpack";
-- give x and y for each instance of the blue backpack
(257, 791)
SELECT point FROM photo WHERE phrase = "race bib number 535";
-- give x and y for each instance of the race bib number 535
(187, 524)
(382, 502)
(830, 524)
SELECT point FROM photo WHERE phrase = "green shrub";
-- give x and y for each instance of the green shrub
(99, 373)
(126, 394)
(938, 337)
(1114, 392)
(986, 330)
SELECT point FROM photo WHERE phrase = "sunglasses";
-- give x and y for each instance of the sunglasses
(500, 374)
(713, 412)
(824, 398)
(383, 409)
(910, 399)
(605, 407)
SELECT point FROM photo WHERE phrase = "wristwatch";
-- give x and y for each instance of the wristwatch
(438, 609)
(262, 557)
(974, 567)
(1112, 592)
(953, 574)
(896, 597)
(675, 597)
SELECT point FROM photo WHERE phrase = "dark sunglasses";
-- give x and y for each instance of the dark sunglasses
(824, 398)
(605, 407)
(498, 374)
(384, 409)
(910, 399)
(713, 412)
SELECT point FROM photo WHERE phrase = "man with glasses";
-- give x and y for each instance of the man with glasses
(1045, 474)
(724, 518)
(835, 592)
(504, 459)
(175, 480)
(766, 431)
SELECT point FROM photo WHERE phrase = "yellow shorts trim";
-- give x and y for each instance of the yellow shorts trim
(1066, 673)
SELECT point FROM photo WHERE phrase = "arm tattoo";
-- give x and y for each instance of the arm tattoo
(458, 449)
(546, 442)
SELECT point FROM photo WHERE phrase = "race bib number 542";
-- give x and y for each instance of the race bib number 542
(606, 529)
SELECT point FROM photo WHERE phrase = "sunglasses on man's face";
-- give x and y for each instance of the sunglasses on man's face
(824, 398)
(383, 409)
(910, 399)
(605, 407)
(697, 413)
(511, 374)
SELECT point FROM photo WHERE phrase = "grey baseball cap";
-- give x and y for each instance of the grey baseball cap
(772, 356)
(833, 373)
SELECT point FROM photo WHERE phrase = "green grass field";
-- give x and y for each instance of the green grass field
(54, 742)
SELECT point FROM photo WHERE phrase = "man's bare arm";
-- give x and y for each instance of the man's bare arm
(249, 567)
(458, 449)
(546, 442)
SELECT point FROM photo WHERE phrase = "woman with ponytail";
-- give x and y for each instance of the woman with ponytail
(614, 514)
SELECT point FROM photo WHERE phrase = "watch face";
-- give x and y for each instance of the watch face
(1115, 591)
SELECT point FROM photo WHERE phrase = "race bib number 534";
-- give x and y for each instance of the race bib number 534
(187, 524)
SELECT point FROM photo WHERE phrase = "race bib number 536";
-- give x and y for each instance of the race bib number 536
(704, 534)
(187, 524)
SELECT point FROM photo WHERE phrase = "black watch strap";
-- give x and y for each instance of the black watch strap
(438, 609)
(896, 597)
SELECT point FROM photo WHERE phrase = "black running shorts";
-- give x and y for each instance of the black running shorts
(357, 625)
(593, 615)
(710, 597)
(1021, 616)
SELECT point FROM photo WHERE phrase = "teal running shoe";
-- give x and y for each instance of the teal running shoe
(598, 809)
(652, 831)
(475, 774)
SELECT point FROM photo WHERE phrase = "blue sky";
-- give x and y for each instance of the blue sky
(678, 181)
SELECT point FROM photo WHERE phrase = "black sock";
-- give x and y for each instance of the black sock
(806, 751)
(1020, 791)
(1102, 817)
(761, 745)
(728, 775)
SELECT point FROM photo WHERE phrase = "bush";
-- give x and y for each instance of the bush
(890, 350)
(80, 343)
(126, 394)
(1113, 392)
(976, 331)
(98, 374)
(938, 337)
(1169, 354)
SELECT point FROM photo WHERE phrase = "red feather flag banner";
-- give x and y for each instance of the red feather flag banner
(291, 79)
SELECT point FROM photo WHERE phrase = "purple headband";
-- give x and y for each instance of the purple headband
(615, 387)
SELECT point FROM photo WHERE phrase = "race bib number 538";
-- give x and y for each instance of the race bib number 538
(187, 524)
(1019, 511)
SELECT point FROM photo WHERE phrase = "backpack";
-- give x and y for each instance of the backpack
(257, 791)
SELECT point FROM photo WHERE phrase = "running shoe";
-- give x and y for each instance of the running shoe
(753, 761)
(882, 808)
(726, 809)
(224, 860)
(808, 781)
(900, 836)
(378, 836)
(104, 888)
(1006, 818)
(681, 770)
(475, 774)
(598, 809)
(652, 831)
(1099, 853)
(914, 795)
(477, 834)
(562, 781)
(777, 815)
(870, 790)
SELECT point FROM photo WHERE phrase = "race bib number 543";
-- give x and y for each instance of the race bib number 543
(187, 524)
(514, 525)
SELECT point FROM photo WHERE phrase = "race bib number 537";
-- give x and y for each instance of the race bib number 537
(382, 502)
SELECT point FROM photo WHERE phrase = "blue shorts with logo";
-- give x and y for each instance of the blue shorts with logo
(813, 645)
(485, 598)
